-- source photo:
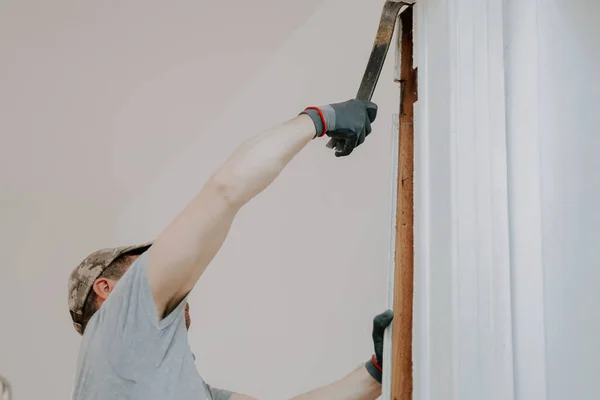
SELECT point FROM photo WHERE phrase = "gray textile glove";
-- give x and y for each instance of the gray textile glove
(347, 123)
(375, 364)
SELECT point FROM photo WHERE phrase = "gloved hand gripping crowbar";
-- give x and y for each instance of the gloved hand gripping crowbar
(385, 33)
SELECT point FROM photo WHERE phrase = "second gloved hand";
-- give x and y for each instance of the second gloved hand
(347, 123)
(375, 364)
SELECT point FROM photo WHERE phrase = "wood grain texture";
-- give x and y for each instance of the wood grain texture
(402, 377)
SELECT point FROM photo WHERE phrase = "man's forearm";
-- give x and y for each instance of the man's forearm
(358, 385)
(257, 162)
(361, 384)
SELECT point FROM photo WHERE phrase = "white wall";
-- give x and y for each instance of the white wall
(111, 119)
(569, 62)
(554, 96)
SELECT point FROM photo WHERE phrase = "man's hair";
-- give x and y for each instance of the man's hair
(115, 270)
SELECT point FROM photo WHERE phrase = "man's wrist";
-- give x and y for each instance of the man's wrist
(374, 369)
(318, 119)
(323, 117)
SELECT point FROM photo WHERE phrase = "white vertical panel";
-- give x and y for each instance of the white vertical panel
(434, 322)
(387, 343)
(507, 221)
(481, 265)
(421, 311)
(523, 140)
(568, 35)
(462, 140)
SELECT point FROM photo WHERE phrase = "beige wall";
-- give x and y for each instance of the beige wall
(113, 119)
(288, 302)
(41, 239)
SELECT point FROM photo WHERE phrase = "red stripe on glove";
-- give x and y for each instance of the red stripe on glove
(374, 361)
(322, 118)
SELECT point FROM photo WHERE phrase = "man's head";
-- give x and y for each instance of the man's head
(95, 278)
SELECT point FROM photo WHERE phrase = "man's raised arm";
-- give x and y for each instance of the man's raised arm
(184, 249)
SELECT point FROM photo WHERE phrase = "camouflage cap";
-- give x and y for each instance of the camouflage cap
(83, 277)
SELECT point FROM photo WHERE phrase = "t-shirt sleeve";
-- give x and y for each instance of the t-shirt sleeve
(219, 394)
(130, 329)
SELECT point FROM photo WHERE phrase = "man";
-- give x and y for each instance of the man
(130, 303)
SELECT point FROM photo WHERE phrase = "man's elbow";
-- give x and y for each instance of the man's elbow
(227, 188)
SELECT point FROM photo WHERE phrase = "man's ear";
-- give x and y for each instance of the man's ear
(102, 287)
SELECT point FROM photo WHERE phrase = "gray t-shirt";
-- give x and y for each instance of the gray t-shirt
(126, 354)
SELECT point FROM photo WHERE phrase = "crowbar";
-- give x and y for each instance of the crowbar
(385, 33)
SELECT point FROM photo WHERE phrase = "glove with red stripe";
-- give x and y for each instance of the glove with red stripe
(375, 364)
(347, 123)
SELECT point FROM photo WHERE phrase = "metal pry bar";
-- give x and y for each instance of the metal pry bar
(385, 34)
